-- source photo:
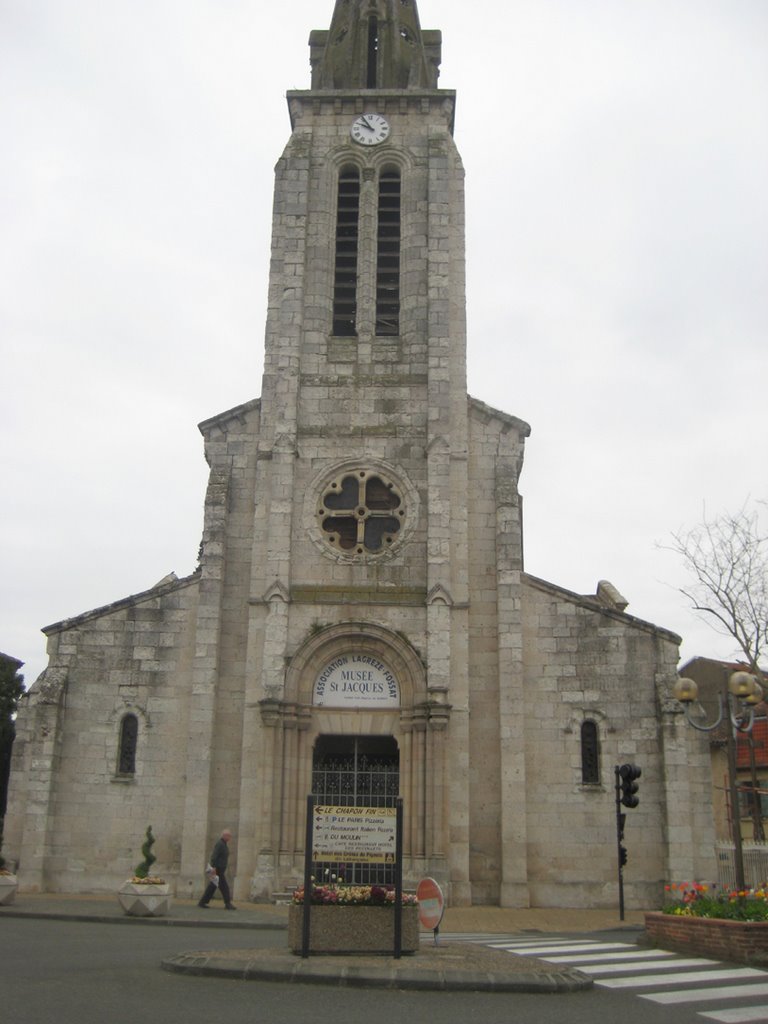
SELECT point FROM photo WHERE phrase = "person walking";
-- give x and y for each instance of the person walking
(218, 861)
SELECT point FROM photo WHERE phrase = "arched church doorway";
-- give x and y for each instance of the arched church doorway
(356, 771)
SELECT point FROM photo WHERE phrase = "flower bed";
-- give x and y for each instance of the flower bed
(353, 919)
(696, 899)
(353, 895)
(719, 923)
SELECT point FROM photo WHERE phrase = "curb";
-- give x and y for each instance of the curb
(170, 922)
(317, 971)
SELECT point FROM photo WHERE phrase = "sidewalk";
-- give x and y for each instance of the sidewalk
(105, 908)
(186, 913)
(451, 965)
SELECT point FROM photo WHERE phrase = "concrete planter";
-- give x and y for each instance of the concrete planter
(738, 941)
(8, 886)
(351, 930)
(152, 900)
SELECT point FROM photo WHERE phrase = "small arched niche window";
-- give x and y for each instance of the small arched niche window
(126, 753)
(590, 753)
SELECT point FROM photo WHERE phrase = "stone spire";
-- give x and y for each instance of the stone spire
(375, 44)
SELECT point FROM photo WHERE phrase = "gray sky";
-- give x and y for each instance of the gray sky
(616, 155)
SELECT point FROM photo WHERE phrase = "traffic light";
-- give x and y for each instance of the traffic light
(622, 856)
(629, 773)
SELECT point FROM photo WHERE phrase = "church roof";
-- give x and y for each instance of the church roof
(238, 413)
(165, 586)
(597, 603)
(505, 418)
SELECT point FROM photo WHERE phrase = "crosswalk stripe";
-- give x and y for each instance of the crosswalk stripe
(579, 947)
(738, 1014)
(639, 954)
(517, 941)
(600, 959)
(638, 965)
(731, 974)
(700, 995)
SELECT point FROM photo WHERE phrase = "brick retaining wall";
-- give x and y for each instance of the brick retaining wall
(737, 941)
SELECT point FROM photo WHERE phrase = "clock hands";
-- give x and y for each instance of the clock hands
(375, 125)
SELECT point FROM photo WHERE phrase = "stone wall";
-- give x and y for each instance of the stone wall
(76, 824)
(585, 661)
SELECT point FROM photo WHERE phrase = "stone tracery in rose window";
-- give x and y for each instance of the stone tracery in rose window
(361, 512)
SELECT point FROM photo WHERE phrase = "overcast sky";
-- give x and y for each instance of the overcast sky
(617, 157)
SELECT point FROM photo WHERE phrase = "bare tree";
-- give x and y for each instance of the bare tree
(727, 559)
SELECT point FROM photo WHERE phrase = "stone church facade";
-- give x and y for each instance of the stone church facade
(360, 624)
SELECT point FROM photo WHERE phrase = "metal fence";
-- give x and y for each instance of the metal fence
(356, 780)
(755, 857)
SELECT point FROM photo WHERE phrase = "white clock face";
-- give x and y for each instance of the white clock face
(369, 129)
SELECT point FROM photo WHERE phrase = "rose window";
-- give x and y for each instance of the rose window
(361, 512)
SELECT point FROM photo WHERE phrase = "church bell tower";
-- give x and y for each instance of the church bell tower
(362, 442)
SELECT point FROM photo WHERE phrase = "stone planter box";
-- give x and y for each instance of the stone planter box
(153, 900)
(743, 942)
(8, 886)
(351, 930)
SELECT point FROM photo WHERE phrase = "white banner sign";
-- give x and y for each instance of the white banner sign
(354, 834)
(356, 680)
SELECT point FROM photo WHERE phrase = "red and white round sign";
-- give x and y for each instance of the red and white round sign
(431, 903)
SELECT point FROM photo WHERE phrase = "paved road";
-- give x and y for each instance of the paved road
(705, 989)
(66, 972)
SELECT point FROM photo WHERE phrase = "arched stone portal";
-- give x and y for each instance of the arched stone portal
(352, 680)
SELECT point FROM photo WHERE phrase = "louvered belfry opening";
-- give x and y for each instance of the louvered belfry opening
(373, 53)
(356, 771)
(345, 272)
(388, 254)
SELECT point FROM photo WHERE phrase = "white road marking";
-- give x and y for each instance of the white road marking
(732, 974)
(701, 995)
(633, 954)
(643, 965)
(580, 947)
(598, 959)
(738, 1014)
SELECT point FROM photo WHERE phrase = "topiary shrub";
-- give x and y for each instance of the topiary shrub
(142, 871)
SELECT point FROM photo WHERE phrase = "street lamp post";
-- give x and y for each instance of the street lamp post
(738, 702)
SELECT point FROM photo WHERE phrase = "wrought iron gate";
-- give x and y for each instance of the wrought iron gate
(356, 771)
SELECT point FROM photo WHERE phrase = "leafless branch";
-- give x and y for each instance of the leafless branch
(727, 560)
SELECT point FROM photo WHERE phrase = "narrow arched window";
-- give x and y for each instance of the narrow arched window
(590, 753)
(388, 254)
(371, 78)
(345, 270)
(126, 754)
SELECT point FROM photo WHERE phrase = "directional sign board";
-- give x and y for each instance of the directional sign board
(356, 835)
